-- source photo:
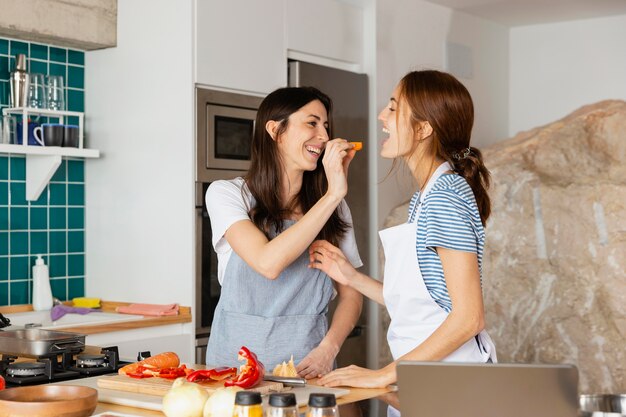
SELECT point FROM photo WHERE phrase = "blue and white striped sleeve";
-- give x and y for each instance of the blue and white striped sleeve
(450, 222)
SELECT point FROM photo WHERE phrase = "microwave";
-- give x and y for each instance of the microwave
(225, 126)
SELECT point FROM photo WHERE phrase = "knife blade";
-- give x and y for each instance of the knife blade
(287, 380)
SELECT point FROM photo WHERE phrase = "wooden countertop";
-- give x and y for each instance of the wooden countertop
(184, 316)
(355, 395)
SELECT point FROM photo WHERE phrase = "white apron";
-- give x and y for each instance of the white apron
(414, 314)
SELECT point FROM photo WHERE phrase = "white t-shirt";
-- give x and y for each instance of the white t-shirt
(229, 201)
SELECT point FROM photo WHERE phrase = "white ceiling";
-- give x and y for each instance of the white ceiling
(530, 12)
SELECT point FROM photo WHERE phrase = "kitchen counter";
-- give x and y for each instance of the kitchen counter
(137, 404)
(352, 404)
(109, 307)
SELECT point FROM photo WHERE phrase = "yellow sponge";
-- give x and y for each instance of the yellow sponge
(86, 302)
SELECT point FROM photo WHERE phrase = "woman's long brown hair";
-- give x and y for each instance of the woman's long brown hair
(264, 178)
(441, 100)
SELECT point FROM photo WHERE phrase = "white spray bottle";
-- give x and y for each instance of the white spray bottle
(42, 294)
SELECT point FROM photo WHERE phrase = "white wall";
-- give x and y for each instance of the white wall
(556, 68)
(139, 195)
(412, 35)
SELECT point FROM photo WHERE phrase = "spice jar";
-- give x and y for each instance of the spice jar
(322, 405)
(248, 404)
(282, 405)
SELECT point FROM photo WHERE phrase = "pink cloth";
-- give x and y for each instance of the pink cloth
(150, 309)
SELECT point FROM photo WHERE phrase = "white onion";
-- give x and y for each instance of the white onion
(221, 403)
(184, 399)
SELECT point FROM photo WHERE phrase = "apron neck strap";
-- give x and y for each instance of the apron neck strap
(429, 185)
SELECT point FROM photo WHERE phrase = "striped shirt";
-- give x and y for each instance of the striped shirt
(449, 219)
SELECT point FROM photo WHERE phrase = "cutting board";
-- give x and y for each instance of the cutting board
(160, 386)
(153, 402)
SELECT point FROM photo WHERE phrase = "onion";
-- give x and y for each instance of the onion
(221, 403)
(184, 399)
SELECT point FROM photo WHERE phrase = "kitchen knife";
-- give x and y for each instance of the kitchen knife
(287, 380)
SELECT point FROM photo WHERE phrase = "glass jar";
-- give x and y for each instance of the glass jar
(282, 405)
(322, 405)
(248, 404)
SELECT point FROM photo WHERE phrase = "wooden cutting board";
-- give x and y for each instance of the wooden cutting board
(160, 386)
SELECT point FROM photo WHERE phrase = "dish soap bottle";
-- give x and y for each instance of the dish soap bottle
(42, 294)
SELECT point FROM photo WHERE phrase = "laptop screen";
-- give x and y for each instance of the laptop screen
(444, 389)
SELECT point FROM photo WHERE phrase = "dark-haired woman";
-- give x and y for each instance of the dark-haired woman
(432, 286)
(262, 226)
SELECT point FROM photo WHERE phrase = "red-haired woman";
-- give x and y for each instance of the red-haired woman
(432, 285)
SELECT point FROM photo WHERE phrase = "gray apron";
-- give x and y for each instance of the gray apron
(273, 318)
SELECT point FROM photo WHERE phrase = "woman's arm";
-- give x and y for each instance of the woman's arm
(330, 259)
(270, 257)
(464, 322)
(320, 360)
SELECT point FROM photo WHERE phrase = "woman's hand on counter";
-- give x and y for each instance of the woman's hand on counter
(355, 376)
(318, 362)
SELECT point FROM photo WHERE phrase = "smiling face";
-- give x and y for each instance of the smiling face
(303, 141)
(399, 142)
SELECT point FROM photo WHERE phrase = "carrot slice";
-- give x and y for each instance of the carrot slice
(357, 145)
(160, 361)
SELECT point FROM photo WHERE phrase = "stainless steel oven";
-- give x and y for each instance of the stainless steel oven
(225, 124)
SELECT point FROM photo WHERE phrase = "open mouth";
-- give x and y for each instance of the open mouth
(315, 151)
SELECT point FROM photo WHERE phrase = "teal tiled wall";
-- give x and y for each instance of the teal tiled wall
(54, 225)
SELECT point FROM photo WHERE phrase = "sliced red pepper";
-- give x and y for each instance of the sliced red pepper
(172, 373)
(216, 374)
(251, 373)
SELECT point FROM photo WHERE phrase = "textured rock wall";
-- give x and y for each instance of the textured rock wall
(554, 272)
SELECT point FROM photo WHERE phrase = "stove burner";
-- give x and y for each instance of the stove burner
(85, 360)
(26, 369)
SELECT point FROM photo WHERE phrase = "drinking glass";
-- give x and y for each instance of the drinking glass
(8, 131)
(56, 92)
(37, 92)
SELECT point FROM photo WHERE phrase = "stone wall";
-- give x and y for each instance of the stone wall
(554, 275)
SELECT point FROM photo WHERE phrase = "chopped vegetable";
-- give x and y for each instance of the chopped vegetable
(217, 374)
(160, 361)
(357, 145)
(251, 373)
(285, 369)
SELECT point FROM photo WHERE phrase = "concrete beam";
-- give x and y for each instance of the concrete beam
(80, 24)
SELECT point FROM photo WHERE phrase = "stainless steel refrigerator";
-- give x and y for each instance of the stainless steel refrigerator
(349, 92)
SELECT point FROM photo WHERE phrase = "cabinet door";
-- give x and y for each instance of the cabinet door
(240, 44)
(325, 28)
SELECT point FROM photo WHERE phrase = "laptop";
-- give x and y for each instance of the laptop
(444, 389)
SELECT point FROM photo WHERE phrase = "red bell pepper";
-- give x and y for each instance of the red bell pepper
(251, 373)
(216, 374)
(173, 373)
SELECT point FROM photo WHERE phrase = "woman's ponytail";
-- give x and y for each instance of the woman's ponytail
(469, 164)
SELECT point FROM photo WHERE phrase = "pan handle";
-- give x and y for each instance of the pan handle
(63, 346)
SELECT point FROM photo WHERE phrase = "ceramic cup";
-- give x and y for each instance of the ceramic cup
(32, 139)
(51, 134)
(70, 137)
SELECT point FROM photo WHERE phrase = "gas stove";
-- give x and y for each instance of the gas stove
(54, 367)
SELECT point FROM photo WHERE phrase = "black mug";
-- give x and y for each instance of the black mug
(51, 134)
(70, 137)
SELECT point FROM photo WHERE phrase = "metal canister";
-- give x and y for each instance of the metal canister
(19, 82)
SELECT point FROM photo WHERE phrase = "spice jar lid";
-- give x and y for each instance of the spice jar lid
(247, 398)
(322, 400)
(283, 399)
